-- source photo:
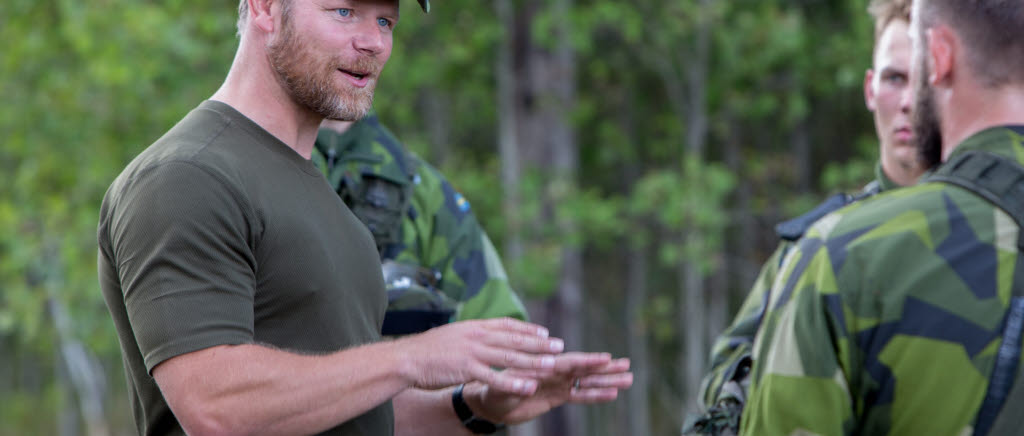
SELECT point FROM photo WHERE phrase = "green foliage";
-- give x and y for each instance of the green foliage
(86, 87)
(598, 217)
(688, 200)
(22, 410)
(851, 176)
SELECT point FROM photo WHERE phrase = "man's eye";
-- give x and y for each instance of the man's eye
(344, 12)
(383, 22)
(896, 79)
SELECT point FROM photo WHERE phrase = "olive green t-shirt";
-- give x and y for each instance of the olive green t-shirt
(219, 234)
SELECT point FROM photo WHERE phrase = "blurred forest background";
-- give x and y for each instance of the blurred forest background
(629, 158)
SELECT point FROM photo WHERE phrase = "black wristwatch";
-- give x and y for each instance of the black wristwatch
(474, 424)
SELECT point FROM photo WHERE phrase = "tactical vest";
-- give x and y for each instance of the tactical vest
(1000, 181)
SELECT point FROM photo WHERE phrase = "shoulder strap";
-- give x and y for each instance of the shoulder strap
(995, 178)
(1000, 181)
(794, 229)
(1010, 420)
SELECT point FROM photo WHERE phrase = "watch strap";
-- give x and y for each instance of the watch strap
(474, 424)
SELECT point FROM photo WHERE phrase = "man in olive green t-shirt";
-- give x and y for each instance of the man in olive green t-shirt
(247, 298)
(192, 201)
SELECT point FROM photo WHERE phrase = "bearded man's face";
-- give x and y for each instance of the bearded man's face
(327, 84)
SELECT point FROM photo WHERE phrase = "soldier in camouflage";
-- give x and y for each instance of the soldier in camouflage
(724, 389)
(439, 265)
(902, 314)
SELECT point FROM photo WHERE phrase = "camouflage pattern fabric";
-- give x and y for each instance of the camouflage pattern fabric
(887, 316)
(437, 231)
(730, 355)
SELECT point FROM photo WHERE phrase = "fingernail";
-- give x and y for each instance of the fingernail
(543, 332)
(557, 345)
(530, 386)
(547, 362)
(517, 385)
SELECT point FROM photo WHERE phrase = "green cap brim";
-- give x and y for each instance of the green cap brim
(425, 4)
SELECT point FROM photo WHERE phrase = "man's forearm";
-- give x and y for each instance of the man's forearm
(252, 389)
(426, 413)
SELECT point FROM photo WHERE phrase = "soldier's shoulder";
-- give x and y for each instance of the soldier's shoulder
(795, 228)
(894, 204)
(913, 213)
(430, 183)
(376, 150)
(384, 139)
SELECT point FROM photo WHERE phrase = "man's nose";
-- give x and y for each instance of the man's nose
(906, 98)
(370, 40)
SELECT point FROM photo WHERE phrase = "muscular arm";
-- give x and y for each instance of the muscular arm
(252, 389)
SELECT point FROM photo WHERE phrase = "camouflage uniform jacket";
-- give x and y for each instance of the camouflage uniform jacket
(887, 316)
(437, 230)
(730, 355)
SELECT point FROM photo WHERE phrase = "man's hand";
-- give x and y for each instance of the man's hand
(585, 378)
(469, 350)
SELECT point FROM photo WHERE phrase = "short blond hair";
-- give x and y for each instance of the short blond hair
(886, 11)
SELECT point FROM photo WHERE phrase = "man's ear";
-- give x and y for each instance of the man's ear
(261, 14)
(869, 89)
(942, 52)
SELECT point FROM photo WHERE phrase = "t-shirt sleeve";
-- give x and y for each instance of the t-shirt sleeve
(183, 240)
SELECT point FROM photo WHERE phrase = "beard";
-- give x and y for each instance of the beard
(925, 120)
(308, 77)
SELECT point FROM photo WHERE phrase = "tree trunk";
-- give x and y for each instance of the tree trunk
(690, 275)
(739, 250)
(438, 118)
(508, 142)
(697, 78)
(67, 412)
(543, 92)
(639, 353)
(511, 172)
(570, 295)
(79, 366)
(802, 152)
(694, 349)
